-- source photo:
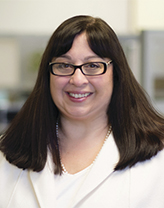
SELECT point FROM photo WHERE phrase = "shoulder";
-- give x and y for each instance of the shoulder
(152, 167)
(156, 161)
(149, 174)
(147, 177)
(7, 170)
(9, 175)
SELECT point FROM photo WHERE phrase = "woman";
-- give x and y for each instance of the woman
(87, 135)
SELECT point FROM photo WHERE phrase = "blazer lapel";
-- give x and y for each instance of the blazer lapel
(102, 168)
(44, 187)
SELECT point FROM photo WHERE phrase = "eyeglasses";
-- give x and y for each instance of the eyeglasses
(89, 69)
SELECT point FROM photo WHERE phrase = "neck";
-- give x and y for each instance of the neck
(80, 143)
(79, 129)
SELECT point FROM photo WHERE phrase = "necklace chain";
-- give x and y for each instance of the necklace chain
(57, 134)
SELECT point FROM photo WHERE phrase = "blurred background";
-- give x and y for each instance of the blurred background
(26, 26)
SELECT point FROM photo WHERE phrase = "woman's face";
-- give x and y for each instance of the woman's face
(79, 96)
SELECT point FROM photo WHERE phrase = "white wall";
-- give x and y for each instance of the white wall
(43, 16)
(149, 14)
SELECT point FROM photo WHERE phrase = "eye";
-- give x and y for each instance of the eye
(64, 66)
(92, 66)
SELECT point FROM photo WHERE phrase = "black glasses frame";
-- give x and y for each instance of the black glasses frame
(80, 67)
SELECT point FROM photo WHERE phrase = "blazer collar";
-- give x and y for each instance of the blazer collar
(101, 169)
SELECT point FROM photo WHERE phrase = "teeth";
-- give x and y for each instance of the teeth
(79, 95)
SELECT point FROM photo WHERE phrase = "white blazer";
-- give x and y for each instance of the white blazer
(141, 186)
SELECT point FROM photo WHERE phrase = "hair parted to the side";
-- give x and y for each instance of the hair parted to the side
(137, 128)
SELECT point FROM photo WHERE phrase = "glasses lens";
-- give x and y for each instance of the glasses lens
(62, 68)
(93, 68)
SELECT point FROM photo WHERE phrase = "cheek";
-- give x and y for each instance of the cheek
(54, 88)
(57, 85)
(106, 83)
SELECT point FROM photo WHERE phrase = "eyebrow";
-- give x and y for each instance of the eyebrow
(91, 57)
(85, 59)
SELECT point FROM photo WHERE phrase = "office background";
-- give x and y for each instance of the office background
(26, 25)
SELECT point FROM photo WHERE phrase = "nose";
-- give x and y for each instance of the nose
(78, 78)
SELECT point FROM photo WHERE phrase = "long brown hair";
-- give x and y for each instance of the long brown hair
(137, 128)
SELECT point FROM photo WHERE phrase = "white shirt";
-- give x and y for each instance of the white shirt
(67, 186)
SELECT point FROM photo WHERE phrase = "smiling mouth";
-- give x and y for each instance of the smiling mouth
(74, 95)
